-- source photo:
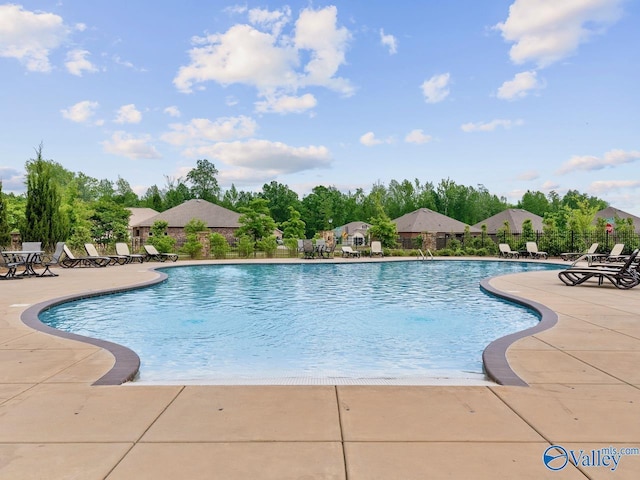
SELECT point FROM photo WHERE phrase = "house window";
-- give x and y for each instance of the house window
(358, 241)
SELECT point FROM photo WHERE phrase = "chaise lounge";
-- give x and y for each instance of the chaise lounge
(123, 250)
(532, 250)
(623, 277)
(572, 256)
(70, 260)
(506, 252)
(154, 254)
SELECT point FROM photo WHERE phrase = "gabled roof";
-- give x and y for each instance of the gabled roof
(611, 213)
(515, 217)
(353, 227)
(139, 214)
(213, 215)
(425, 220)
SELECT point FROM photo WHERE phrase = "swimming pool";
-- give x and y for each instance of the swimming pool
(240, 323)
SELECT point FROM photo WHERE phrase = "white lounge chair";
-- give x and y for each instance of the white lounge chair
(347, 251)
(575, 255)
(154, 254)
(506, 252)
(123, 250)
(532, 250)
(376, 249)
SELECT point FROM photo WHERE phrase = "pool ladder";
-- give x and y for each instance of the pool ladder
(423, 257)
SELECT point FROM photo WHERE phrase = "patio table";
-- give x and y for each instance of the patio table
(29, 257)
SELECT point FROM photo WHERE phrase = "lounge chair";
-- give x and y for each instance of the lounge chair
(572, 256)
(532, 250)
(70, 260)
(113, 259)
(506, 252)
(308, 249)
(51, 261)
(376, 249)
(615, 255)
(347, 251)
(122, 249)
(154, 254)
(624, 277)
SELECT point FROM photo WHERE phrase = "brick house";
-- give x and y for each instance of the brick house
(218, 219)
(434, 228)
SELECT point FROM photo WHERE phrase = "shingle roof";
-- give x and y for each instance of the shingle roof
(515, 217)
(611, 213)
(425, 220)
(213, 215)
(140, 214)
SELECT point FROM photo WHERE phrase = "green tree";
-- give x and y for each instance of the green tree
(383, 229)
(124, 194)
(534, 202)
(219, 245)
(159, 238)
(203, 181)
(255, 220)
(176, 193)
(280, 198)
(5, 230)
(153, 199)
(294, 227)
(195, 225)
(43, 219)
(109, 222)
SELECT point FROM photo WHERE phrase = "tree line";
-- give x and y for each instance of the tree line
(63, 205)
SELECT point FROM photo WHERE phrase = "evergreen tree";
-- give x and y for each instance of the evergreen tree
(44, 221)
(5, 231)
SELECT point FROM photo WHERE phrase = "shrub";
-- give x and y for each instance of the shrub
(192, 246)
(268, 245)
(219, 245)
(245, 246)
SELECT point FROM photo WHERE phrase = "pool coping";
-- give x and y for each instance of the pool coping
(127, 362)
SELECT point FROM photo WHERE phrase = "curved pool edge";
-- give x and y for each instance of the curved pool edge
(494, 356)
(127, 362)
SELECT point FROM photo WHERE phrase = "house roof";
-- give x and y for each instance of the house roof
(610, 213)
(515, 217)
(353, 227)
(425, 220)
(213, 215)
(140, 214)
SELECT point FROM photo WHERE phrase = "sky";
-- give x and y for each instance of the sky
(514, 95)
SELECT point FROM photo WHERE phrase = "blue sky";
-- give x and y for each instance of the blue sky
(514, 95)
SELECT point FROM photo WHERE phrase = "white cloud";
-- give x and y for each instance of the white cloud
(520, 86)
(369, 139)
(12, 180)
(203, 131)
(548, 186)
(128, 114)
(268, 60)
(77, 62)
(389, 41)
(173, 111)
(611, 158)
(436, 88)
(81, 112)
(545, 31)
(287, 104)
(490, 126)
(273, 20)
(417, 136)
(126, 145)
(528, 176)
(276, 158)
(605, 186)
(30, 36)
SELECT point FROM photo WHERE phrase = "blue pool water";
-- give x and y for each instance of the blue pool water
(360, 320)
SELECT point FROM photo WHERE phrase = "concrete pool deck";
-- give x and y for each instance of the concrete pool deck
(584, 394)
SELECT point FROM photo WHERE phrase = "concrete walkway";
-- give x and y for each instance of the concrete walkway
(584, 395)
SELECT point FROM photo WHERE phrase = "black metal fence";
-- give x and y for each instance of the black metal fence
(556, 243)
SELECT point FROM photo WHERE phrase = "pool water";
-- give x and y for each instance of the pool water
(362, 320)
